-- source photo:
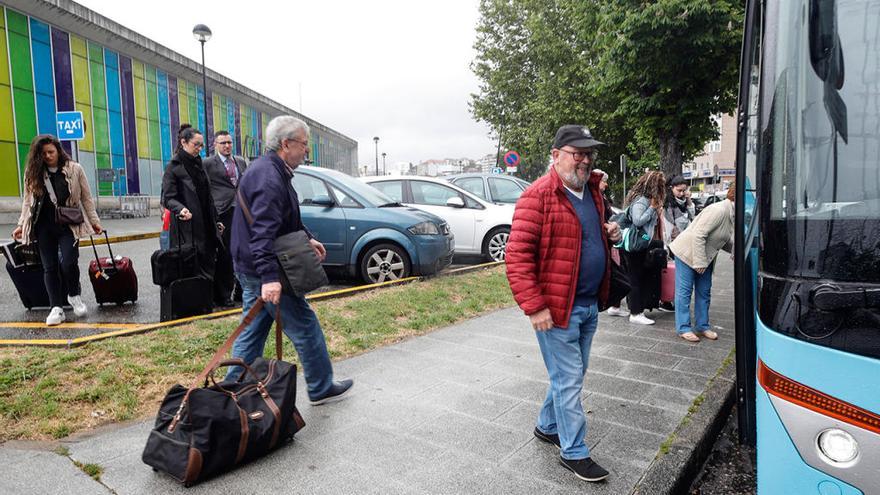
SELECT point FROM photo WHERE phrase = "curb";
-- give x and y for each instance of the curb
(148, 327)
(692, 440)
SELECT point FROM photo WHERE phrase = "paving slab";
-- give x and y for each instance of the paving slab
(451, 411)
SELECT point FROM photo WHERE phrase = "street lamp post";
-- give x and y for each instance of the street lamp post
(202, 33)
(376, 140)
(384, 171)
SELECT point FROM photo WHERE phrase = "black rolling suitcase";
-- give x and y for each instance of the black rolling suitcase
(27, 276)
(186, 297)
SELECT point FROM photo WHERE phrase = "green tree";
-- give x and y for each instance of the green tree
(670, 65)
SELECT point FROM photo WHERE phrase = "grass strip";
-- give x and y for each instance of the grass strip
(50, 393)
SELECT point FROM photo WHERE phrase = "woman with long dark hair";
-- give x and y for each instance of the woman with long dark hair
(645, 204)
(187, 193)
(52, 181)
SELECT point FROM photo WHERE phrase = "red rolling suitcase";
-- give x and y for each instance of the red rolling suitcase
(113, 278)
(667, 283)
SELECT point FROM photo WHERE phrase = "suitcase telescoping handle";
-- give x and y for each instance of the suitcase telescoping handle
(95, 249)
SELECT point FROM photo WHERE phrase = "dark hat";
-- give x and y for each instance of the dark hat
(574, 135)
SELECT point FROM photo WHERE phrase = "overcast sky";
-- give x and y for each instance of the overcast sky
(397, 69)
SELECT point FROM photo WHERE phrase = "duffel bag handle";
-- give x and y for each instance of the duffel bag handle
(215, 360)
(232, 362)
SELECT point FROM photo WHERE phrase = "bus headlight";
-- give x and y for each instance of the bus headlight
(837, 446)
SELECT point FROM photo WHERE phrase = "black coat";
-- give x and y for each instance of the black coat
(179, 192)
(222, 189)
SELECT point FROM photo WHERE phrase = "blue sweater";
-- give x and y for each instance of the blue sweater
(592, 263)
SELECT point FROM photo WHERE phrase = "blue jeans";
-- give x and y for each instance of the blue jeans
(301, 326)
(566, 352)
(688, 281)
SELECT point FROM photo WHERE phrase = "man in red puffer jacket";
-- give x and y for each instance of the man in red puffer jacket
(558, 268)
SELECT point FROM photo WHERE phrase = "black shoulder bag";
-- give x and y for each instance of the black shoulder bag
(64, 215)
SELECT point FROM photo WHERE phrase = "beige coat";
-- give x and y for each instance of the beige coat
(80, 195)
(711, 231)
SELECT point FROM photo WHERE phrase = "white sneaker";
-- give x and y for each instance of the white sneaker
(56, 316)
(616, 311)
(79, 307)
(641, 319)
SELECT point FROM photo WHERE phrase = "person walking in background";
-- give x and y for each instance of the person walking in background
(695, 251)
(51, 180)
(559, 272)
(187, 193)
(224, 172)
(645, 207)
(614, 300)
(266, 191)
(678, 213)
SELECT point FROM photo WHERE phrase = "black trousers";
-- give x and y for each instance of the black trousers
(644, 282)
(224, 278)
(51, 237)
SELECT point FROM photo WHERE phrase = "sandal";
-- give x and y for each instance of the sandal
(709, 334)
(689, 336)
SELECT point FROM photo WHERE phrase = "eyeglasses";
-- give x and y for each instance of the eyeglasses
(304, 143)
(198, 144)
(221, 143)
(580, 155)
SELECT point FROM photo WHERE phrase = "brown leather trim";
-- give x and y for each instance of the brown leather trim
(277, 413)
(193, 465)
(245, 432)
(298, 419)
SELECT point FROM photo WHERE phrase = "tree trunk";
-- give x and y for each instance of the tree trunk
(670, 153)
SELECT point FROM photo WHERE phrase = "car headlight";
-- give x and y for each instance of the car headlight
(425, 228)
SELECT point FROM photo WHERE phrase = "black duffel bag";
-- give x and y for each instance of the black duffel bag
(203, 430)
(178, 262)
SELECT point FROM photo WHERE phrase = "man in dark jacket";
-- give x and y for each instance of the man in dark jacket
(268, 195)
(224, 171)
(558, 269)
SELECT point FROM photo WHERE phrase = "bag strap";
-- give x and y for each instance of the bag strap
(244, 208)
(51, 190)
(223, 349)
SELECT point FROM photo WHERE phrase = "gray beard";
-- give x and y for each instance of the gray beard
(572, 179)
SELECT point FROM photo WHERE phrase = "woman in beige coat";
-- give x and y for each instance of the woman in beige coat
(695, 250)
(49, 165)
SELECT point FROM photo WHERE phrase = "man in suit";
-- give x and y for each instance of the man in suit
(224, 172)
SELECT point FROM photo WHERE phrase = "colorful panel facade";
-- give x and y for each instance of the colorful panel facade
(132, 110)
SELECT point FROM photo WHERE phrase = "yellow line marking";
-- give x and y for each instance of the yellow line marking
(130, 329)
(86, 243)
(33, 324)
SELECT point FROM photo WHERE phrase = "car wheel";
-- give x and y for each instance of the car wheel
(384, 263)
(495, 243)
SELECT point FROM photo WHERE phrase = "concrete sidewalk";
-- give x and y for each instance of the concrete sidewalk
(449, 412)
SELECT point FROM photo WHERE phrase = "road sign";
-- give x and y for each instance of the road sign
(70, 126)
(511, 159)
(497, 171)
(511, 170)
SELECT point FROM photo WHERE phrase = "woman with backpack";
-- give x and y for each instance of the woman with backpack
(645, 211)
(57, 210)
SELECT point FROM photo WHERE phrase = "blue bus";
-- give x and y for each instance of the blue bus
(808, 245)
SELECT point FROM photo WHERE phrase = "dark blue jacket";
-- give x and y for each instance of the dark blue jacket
(274, 205)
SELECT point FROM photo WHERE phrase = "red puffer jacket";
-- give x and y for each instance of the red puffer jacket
(544, 250)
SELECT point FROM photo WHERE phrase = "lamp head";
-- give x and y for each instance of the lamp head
(201, 33)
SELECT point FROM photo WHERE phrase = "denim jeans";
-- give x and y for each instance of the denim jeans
(566, 352)
(688, 281)
(301, 326)
(51, 237)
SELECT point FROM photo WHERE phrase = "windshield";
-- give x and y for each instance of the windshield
(820, 140)
(370, 194)
(825, 110)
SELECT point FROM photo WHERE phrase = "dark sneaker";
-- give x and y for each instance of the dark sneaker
(337, 391)
(585, 469)
(550, 438)
(667, 307)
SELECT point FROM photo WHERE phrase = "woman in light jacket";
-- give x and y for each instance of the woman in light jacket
(645, 204)
(695, 251)
(48, 162)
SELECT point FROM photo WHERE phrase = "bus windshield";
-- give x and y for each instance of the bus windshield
(821, 139)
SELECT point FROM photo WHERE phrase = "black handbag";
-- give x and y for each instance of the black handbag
(203, 430)
(64, 215)
(300, 265)
(178, 262)
(655, 256)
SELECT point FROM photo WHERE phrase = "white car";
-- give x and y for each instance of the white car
(479, 227)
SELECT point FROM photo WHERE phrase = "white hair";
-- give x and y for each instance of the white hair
(283, 127)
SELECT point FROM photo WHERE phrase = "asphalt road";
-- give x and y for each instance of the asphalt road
(109, 316)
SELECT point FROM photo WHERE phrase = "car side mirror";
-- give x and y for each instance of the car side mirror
(323, 200)
(455, 202)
